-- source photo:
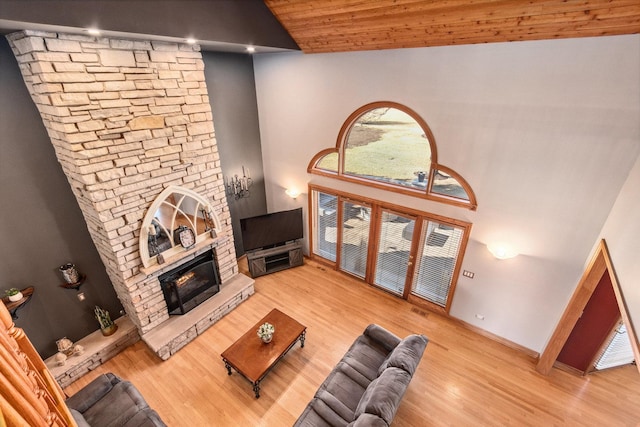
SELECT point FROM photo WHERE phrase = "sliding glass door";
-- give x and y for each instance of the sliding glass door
(393, 255)
(356, 223)
(325, 224)
(408, 253)
(436, 261)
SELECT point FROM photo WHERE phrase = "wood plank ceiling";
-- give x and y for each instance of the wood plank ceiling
(350, 25)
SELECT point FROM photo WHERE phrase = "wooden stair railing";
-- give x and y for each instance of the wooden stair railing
(29, 395)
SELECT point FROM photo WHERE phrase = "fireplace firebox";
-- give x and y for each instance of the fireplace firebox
(191, 284)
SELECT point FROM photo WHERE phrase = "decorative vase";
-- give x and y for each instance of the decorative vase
(61, 359)
(265, 332)
(70, 273)
(65, 346)
(15, 297)
(109, 330)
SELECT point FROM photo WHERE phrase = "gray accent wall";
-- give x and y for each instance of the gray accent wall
(232, 95)
(41, 225)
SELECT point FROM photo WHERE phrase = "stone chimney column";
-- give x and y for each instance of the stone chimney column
(127, 119)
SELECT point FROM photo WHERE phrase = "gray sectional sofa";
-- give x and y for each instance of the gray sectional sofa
(365, 388)
(109, 401)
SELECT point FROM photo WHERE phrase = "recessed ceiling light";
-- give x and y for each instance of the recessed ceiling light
(191, 41)
(93, 31)
(251, 49)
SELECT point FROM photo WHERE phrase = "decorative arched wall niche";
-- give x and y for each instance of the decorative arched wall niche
(174, 208)
(387, 145)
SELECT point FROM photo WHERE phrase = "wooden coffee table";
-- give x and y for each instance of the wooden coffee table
(252, 358)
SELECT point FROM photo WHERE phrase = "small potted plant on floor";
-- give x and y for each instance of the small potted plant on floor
(265, 332)
(14, 294)
(106, 324)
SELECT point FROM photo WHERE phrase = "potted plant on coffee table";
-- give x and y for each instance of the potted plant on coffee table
(265, 332)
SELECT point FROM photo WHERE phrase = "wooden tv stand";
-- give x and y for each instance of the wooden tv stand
(265, 261)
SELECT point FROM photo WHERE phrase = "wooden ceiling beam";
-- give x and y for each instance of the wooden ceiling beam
(417, 23)
(346, 25)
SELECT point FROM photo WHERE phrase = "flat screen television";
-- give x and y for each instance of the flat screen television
(269, 230)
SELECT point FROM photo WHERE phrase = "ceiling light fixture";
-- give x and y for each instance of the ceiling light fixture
(191, 41)
(93, 31)
(251, 49)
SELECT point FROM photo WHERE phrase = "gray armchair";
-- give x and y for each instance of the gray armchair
(109, 401)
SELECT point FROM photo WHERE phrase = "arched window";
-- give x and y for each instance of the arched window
(387, 145)
(174, 208)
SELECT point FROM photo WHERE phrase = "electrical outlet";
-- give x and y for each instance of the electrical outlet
(469, 274)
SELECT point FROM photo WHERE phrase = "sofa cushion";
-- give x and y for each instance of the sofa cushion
(311, 417)
(331, 411)
(385, 338)
(117, 407)
(78, 418)
(346, 385)
(145, 418)
(383, 395)
(93, 392)
(365, 355)
(368, 420)
(406, 355)
(336, 405)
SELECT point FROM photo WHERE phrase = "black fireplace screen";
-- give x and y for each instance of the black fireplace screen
(191, 284)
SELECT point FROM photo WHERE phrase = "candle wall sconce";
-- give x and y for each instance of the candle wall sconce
(238, 186)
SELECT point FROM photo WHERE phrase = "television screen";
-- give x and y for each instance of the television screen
(272, 229)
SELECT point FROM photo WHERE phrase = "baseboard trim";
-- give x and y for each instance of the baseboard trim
(569, 369)
(531, 353)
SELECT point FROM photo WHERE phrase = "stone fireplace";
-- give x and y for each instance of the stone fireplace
(128, 119)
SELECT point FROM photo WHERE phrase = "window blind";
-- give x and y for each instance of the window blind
(326, 223)
(356, 221)
(436, 262)
(393, 252)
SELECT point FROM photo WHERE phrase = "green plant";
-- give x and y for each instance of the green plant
(266, 330)
(11, 292)
(103, 317)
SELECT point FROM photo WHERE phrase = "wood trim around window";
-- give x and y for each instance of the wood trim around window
(339, 148)
(377, 206)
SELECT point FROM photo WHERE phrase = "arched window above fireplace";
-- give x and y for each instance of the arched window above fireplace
(177, 217)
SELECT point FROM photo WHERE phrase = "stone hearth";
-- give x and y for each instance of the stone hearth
(127, 119)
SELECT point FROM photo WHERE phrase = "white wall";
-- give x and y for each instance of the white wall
(544, 132)
(622, 234)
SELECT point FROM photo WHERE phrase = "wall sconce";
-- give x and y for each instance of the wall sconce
(238, 187)
(293, 193)
(502, 250)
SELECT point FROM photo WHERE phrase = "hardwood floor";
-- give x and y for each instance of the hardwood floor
(464, 378)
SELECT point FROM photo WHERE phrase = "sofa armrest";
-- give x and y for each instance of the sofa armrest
(406, 355)
(387, 339)
(93, 392)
